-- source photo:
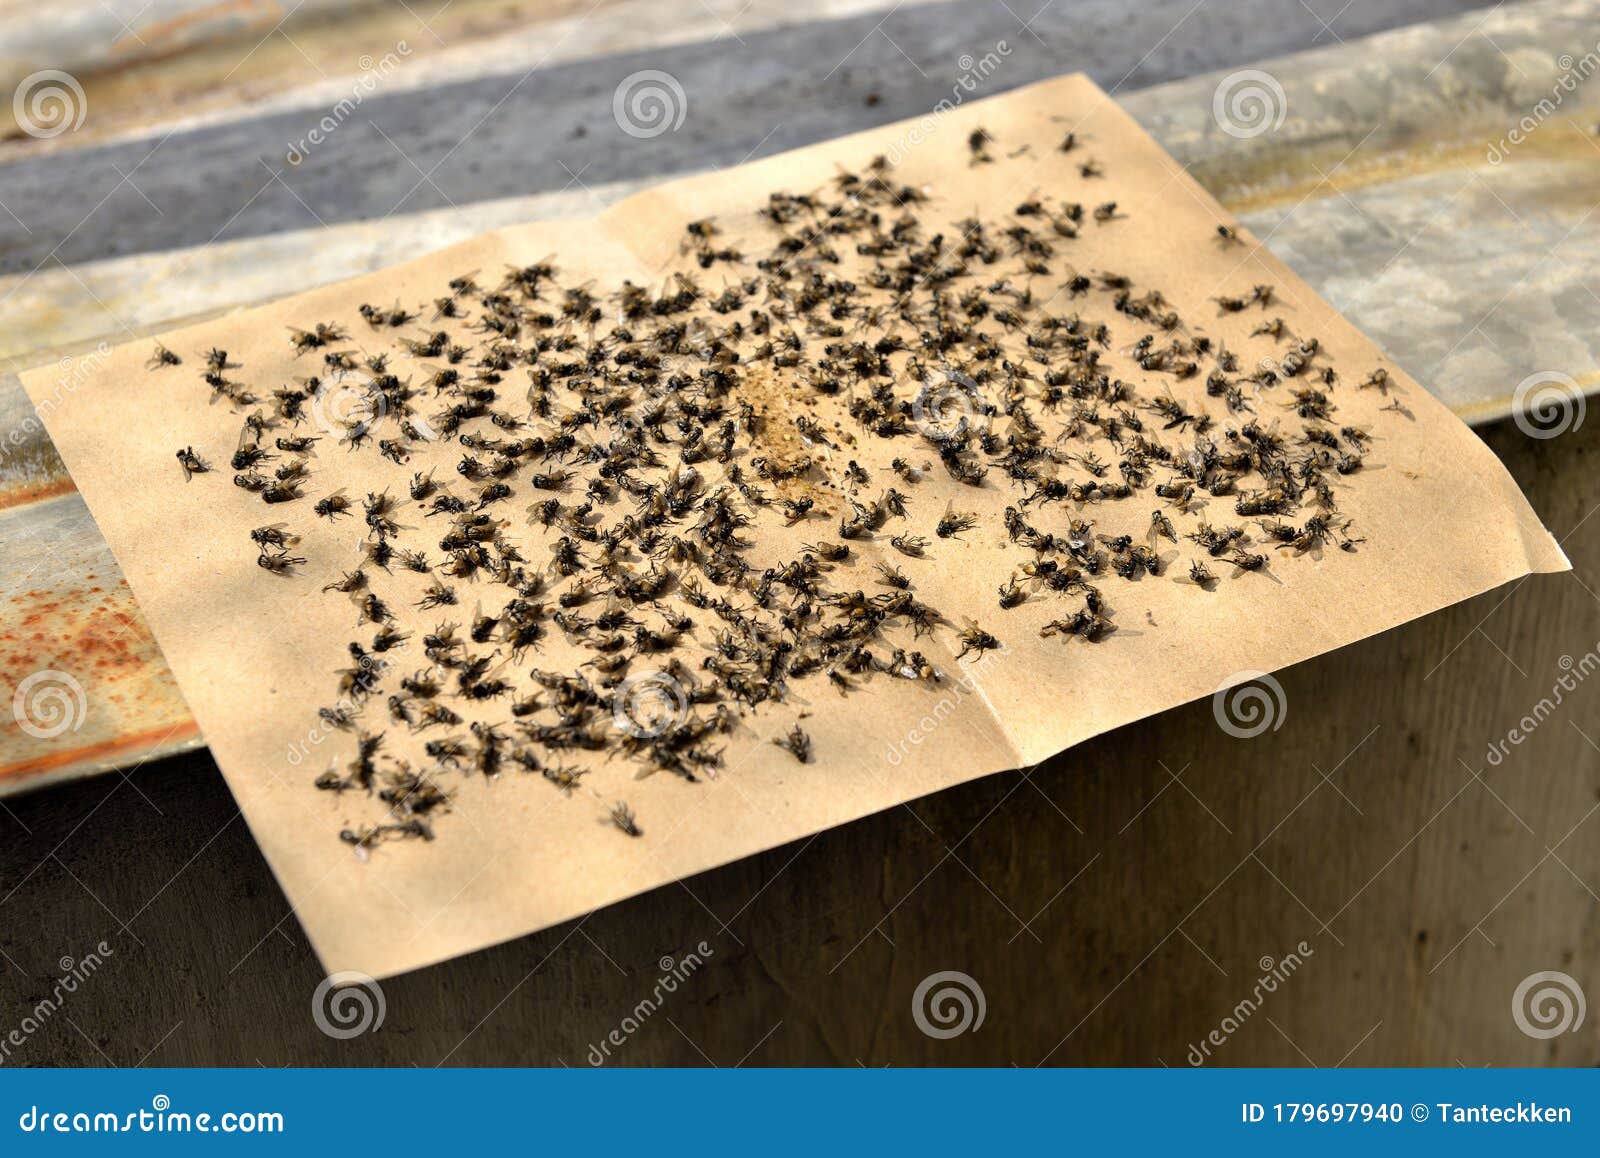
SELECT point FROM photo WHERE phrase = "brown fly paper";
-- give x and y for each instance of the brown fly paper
(1099, 375)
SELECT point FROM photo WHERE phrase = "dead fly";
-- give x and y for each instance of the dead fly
(368, 838)
(1313, 535)
(278, 562)
(1087, 624)
(953, 522)
(378, 552)
(192, 463)
(315, 339)
(891, 576)
(1245, 561)
(1227, 235)
(1216, 541)
(829, 552)
(388, 639)
(333, 506)
(913, 545)
(273, 536)
(437, 595)
(379, 510)
(796, 743)
(162, 357)
(1201, 575)
(974, 638)
(339, 362)
(350, 581)
(563, 777)
(375, 317)
(1378, 380)
(414, 561)
(795, 510)
(624, 821)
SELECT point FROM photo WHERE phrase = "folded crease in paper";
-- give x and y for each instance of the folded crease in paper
(254, 653)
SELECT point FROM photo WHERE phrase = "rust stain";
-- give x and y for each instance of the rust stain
(22, 494)
(86, 629)
(175, 34)
(149, 740)
(89, 628)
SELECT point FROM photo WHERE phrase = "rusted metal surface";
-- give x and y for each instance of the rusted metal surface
(90, 691)
(87, 688)
(1376, 185)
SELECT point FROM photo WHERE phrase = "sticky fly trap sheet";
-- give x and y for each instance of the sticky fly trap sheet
(575, 560)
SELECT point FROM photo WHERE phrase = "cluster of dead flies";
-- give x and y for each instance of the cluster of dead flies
(625, 436)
